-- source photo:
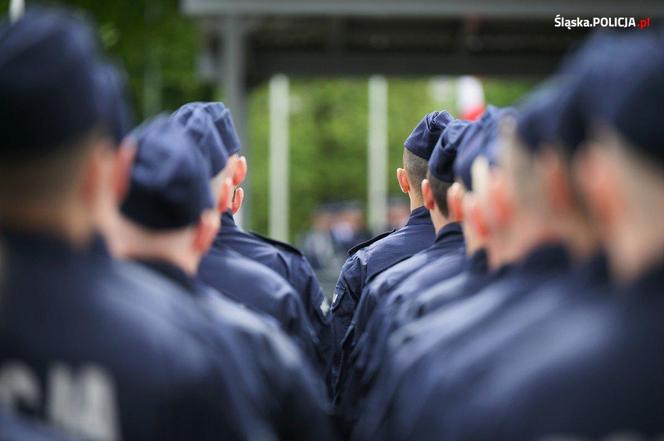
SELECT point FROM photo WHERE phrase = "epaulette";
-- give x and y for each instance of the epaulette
(366, 243)
(277, 243)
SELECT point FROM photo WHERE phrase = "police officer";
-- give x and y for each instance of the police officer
(168, 224)
(441, 260)
(489, 319)
(599, 376)
(370, 258)
(239, 278)
(98, 349)
(284, 259)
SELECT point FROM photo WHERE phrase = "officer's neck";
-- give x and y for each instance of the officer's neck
(438, 219)
(416, 200)
(131, 241)
(473, 241)
(634, 246)
(68, 220)
(515, 240)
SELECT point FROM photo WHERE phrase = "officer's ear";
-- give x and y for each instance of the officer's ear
(455, 196)
(206, 231)
(502, 209)
(122, 170)
(427, 195)
(555, 179)
(597, 179)
(238, 198)
(475, 216)
(225, 195)
(240, 172)
(402, 178)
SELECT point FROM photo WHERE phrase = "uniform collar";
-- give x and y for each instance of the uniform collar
(227, 220)
(419, 216)
(171, 272)
(43, 244)
(545, 258)
(649, 284)
(449, 231)
(478, 263)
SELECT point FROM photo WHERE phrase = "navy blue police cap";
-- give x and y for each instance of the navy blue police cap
(561, 112)
(423, 138)
(48, 92)
(222, 120)
(169, 187)
(201, 128)
(474, 144)
(635, 106)
(441, 163)
(116, 112)
(491, 132)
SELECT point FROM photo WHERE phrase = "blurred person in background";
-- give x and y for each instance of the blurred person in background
(168, 223)
(317, 243)
(397, 213)
(348, 228)
(93, 347)
(280, 257)
(370, 258)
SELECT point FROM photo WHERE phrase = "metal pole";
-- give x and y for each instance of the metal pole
(233, 80)
(279, 189)
(16, 9)
(377, 162)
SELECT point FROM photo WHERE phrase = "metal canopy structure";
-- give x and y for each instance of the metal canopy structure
(246, 42)
(362, 37)
(412, 8)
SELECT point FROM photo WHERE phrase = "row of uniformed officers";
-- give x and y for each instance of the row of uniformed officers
(521, 301)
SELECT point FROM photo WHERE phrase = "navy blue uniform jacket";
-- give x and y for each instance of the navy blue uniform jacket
(259, 289)
(289, 263)
(281, 386)
(598, 373)
(369, 259)
(107, 351)
(397, 398)
(397, 284)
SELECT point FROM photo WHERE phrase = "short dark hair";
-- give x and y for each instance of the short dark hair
(25, 180)
(439, 189)
(416, 168)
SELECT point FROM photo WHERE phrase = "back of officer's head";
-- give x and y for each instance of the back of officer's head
(169, 199)
(57, 111)
(219, 150)
(623, 164)
(440, 173)
(418, 148)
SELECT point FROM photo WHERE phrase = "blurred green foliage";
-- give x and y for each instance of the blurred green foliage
(158, 47)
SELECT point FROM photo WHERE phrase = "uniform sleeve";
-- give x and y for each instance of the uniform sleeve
(315, 305)
(346, 294)
(292, 381)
